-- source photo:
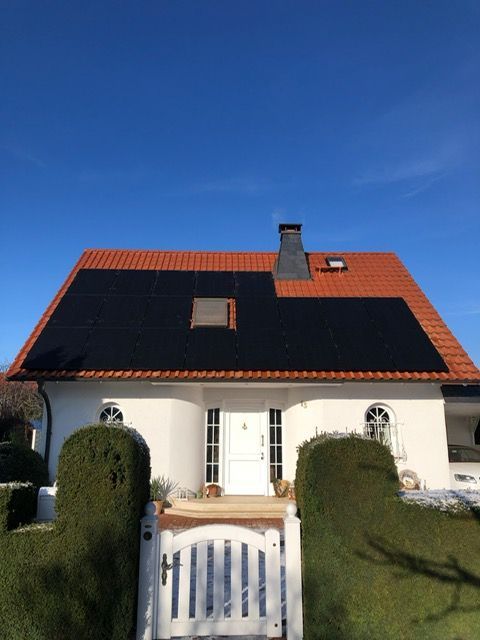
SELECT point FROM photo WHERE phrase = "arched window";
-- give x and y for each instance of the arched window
(378, 424)
(111, 414)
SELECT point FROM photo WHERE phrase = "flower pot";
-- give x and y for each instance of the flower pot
(213, 491)
(158, 506)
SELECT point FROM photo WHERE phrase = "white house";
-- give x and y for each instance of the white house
(225, 362)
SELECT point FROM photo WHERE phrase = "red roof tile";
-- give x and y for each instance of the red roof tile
(369, 274)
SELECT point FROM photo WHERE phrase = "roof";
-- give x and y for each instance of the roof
(368, 275)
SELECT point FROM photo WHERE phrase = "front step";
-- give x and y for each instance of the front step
(230, 507)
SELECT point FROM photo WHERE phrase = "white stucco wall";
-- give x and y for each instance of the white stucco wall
(172, 418)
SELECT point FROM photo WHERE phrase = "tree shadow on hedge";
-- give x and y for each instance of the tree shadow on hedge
(449, 571)
(82, 587)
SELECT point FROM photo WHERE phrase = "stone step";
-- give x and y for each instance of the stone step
(230, 507)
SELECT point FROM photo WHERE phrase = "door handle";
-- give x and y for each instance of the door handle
(167, 567)
(263, 443)
(262, 457)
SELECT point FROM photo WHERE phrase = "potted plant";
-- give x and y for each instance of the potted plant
(161, 488)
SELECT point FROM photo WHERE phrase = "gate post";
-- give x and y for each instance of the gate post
(147, 573)
(293, 573)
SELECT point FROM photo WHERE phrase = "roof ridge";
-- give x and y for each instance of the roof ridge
(237, 252)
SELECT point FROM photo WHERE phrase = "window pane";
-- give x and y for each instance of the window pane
(279, 435)
(273, 457)
(272, 416)
(279, 471)
(279, 454)
(209, 434)
(210, 416)
(272, 435)
(209, 454)
(216, 434)
(215, 473)
(217, 416)
(279, 416)
(215, 454)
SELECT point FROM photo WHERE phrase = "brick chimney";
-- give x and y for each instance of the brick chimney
(292, 262)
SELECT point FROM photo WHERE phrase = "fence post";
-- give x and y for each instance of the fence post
(147, 572)
(293, 573)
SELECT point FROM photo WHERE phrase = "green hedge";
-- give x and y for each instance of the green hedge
(84, 586)
(17, 504)
(376, 568)
(18, 463)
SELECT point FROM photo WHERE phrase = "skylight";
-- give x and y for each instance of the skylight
(336, 262)
(210, 312)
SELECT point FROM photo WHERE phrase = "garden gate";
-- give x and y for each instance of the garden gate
(218, 579)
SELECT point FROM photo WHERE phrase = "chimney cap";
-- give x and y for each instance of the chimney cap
(289, 227)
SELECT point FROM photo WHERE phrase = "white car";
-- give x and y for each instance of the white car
(464, 466)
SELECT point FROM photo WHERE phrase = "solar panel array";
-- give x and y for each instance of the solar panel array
(141, 320)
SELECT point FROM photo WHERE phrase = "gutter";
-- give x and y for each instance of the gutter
(48, 408)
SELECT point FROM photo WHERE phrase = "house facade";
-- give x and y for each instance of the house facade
(226, 362)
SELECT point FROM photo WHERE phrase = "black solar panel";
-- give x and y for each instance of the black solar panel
(122, 311)
(94, 281)
(257, 312)
(160, 349)
(261, 349)
(300, 313)
(312, 350)
(254, 283)
(168, 311)
(110, 348)
(211, 348)
(57, 348)
(410, 346)
(133, 282)
(174, 283)
(76, 311)
(141, 319)
(215, 284)
(359, 344)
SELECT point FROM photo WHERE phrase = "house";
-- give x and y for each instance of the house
(225, 362)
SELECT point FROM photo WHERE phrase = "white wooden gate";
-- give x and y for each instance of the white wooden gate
(218, 579)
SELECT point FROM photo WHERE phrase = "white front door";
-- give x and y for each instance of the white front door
(245, 453)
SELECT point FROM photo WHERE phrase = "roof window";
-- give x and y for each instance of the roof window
(336, 262)
(210, 312)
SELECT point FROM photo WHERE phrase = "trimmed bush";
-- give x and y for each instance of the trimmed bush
(18, 463)
(17, 504)
(374, 567)
(82, 583)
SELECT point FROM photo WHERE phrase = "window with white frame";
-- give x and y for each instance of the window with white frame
(275, 433)
(212, 454)
(380, 425)
(111, 414)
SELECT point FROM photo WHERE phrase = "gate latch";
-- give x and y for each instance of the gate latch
(168, 567)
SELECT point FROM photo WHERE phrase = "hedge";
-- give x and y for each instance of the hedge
(374, 567)
(83, 584)
(17, 504)
(18, 463)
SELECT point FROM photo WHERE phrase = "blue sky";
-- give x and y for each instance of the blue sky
(201, 125)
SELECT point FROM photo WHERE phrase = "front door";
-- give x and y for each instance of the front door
(245, 463)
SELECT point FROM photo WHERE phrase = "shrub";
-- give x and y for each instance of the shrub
(374, 567)
(18, 463)
(103, 486)
(17, 504)
(80, 580)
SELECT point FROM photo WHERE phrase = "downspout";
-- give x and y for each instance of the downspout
(48, 409)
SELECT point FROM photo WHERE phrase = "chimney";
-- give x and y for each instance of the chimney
(291, 262)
